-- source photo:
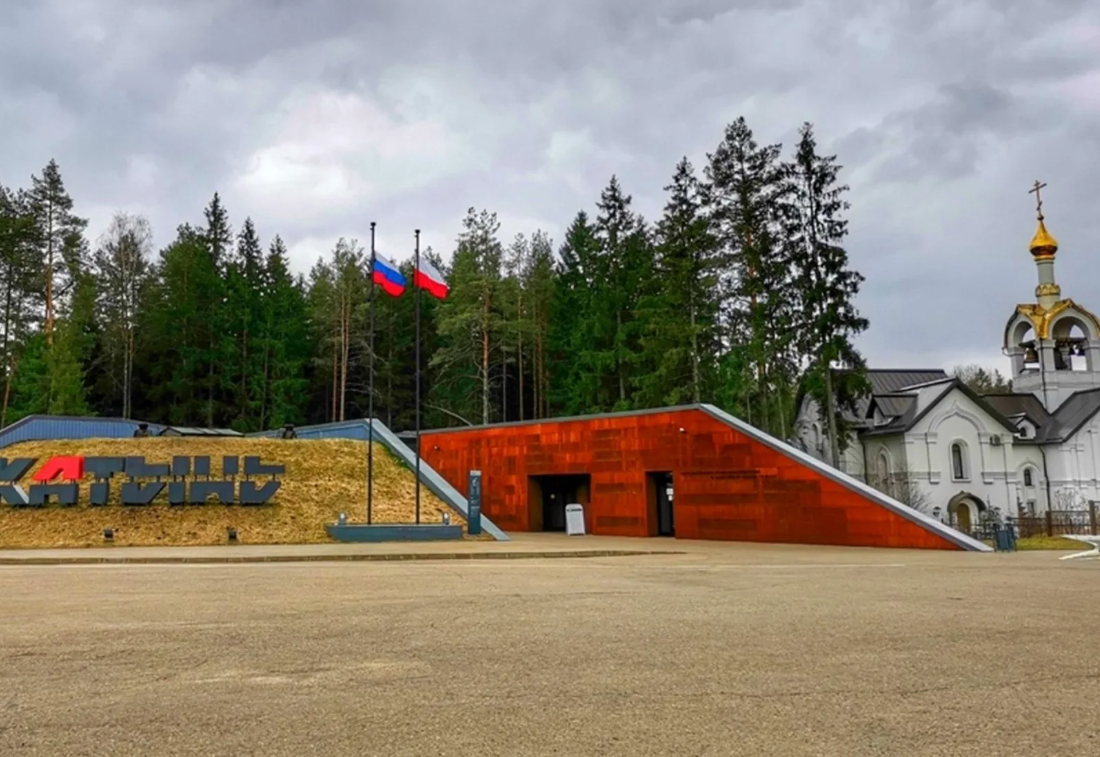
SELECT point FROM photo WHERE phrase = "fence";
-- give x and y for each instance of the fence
(1059, 522)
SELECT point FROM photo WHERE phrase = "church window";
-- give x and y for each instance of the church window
(1028, 479)
(958, 462)
(883, 467)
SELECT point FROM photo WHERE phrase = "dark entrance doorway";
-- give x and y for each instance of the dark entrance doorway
(547, 497)
(660, 492)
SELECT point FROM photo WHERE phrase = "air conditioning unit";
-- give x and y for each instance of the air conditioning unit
(995, 441)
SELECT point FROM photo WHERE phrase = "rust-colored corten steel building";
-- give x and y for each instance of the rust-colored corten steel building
(690, 472)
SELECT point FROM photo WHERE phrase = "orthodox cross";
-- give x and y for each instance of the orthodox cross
(1038, 198)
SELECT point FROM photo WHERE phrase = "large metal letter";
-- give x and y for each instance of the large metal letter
(16, 469)
(177, 493)
(66, 494)
(135, 493)
(136, 467)
(220, 490)
(104, 468)
(100, 493)
(67, 468)
(14, 495)
(250, 495)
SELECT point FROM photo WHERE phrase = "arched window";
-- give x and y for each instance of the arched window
(883, 467)
(1070, 338)
(1029, 479)
(958, 462)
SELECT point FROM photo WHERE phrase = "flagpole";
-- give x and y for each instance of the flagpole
(416, 269)
(370, 386)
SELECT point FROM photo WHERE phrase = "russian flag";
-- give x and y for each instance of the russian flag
(386, 275)
(430, 280)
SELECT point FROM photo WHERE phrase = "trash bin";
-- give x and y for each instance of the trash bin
(574, 520)
(1004, 539)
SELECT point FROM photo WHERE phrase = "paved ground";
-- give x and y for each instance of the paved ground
(726, 650)
(520, 545)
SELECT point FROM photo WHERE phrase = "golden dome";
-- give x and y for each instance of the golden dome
(1043, 244)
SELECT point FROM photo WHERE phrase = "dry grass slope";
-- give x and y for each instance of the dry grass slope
(296, 514)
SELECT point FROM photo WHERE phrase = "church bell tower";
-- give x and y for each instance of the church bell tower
(1054, 343)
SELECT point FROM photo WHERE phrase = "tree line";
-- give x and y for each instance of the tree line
(740, 293)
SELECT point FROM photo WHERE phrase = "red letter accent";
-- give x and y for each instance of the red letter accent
(68, 468)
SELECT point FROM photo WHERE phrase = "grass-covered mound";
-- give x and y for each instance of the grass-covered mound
(322, 479)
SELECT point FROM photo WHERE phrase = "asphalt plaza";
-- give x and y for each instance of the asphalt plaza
(724, 649)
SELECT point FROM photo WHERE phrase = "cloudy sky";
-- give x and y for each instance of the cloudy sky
(317, 116)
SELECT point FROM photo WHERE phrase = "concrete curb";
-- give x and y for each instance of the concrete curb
(382, 557)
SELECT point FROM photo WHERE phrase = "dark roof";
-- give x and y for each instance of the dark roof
(925, 397)
(1071, 415)
(1025, 404)
(891, 380)
(921, 399)
(894, 405)
(904, 397)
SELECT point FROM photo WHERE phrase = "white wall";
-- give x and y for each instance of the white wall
(994, 474)
(989, 470)
(1074, 467)
(813, 438)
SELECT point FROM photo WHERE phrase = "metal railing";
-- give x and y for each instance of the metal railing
(1059, 522)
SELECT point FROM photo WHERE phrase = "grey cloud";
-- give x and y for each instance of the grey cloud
(941, 113)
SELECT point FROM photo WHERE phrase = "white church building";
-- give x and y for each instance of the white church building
(929, 440)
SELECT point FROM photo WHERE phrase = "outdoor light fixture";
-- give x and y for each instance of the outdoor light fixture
(342, 519)
(446, 519)
(682, 430)
(108, 534)
(232, 534)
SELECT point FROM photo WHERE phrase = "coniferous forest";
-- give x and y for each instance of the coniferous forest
(739, 295)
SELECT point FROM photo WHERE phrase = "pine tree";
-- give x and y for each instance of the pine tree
(51, 380)
(539, 283)
(741, 288)
(218, 241)
(746, 186)
(20, 272)
(218, 234)
(122, 270)
(182, 324)
(625, 264)
(516, 329)
(338, 302)
(283, 342)
(244, 381)
(681, 312)
(62, 246)
(828, 321)
(578, 326)
(469, 320)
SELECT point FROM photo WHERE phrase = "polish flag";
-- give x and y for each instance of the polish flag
(430, 280)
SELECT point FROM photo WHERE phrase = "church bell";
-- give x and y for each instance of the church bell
(1031, 356)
